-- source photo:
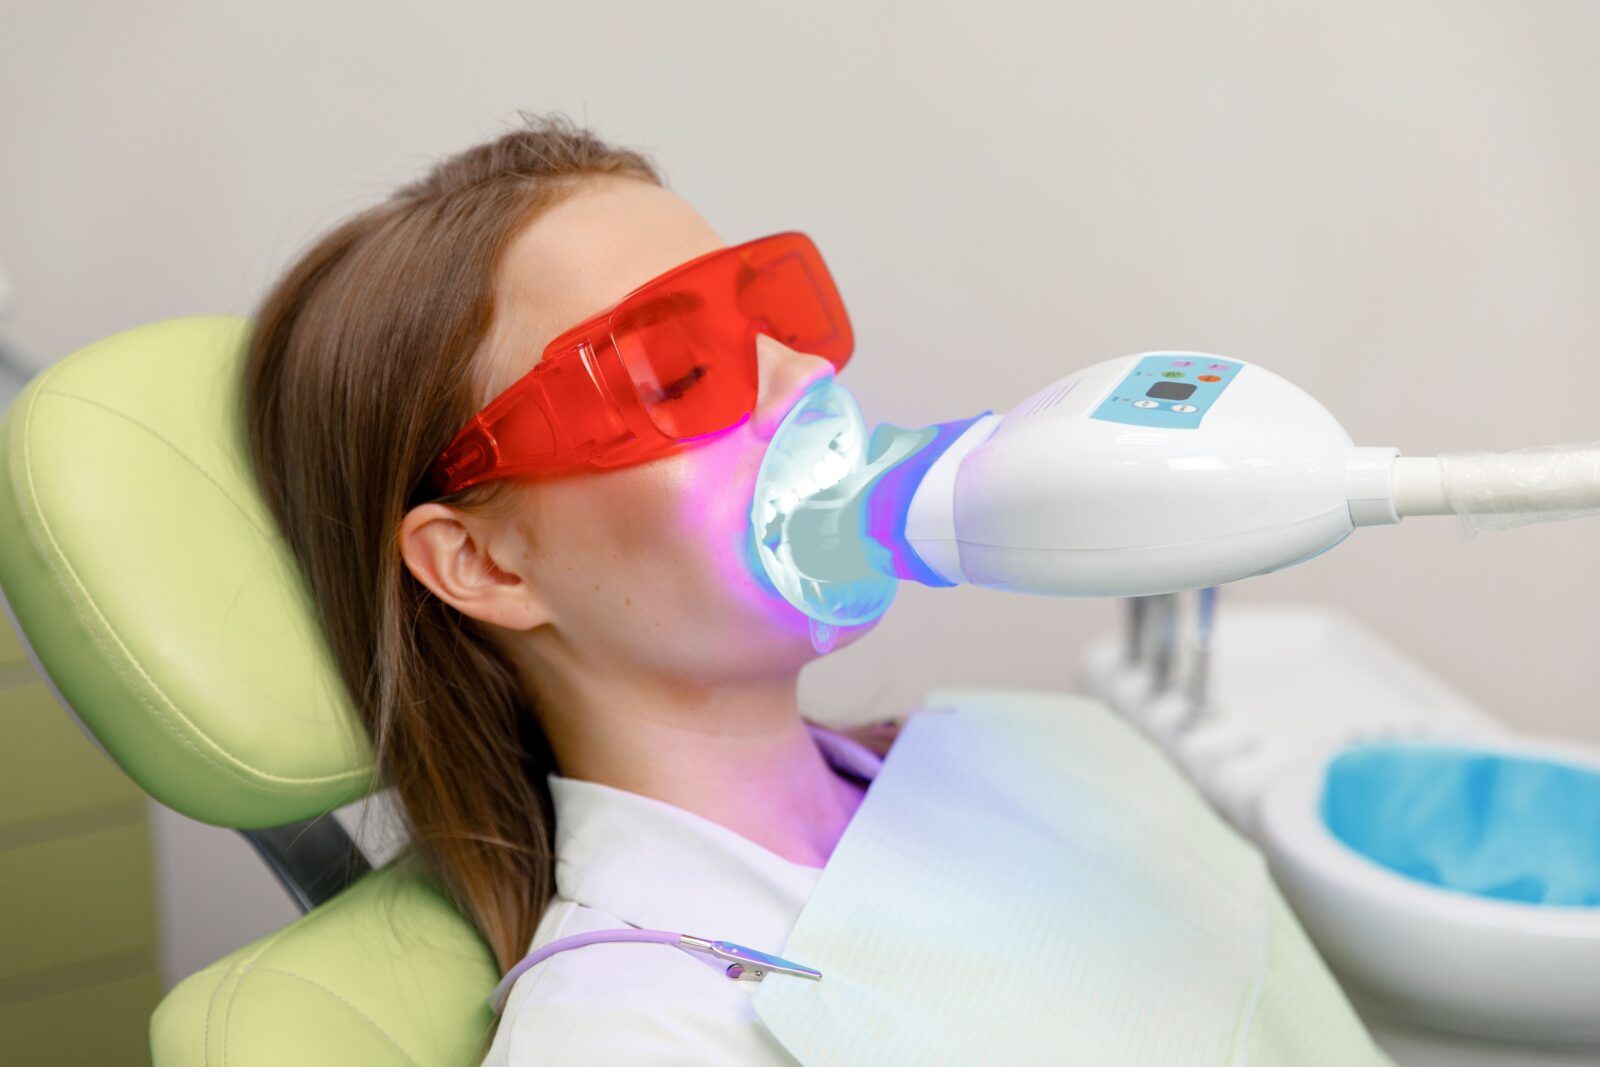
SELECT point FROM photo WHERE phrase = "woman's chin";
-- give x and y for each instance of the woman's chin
(776, 620)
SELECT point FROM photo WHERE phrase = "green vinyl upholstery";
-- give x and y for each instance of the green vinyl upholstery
(385, 973)
(147, 577)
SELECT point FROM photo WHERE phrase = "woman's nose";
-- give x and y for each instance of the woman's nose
(784, 375)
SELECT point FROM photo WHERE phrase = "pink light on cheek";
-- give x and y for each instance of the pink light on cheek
(715, 512)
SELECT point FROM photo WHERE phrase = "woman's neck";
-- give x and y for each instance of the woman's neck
(736, 754)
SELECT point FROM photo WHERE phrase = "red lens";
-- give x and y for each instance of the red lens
(688, 338)
(681, 350)
(686, 343)
(789, 287)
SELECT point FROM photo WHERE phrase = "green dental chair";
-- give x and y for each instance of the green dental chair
(145, 574)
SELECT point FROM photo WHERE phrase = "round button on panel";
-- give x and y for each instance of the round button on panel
(1183, 363)
(1172, 374)
(1218, 366)
(1210, 378)
(1185, 408)
(1145, 404)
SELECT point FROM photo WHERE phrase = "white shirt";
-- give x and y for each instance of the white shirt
(621, 859)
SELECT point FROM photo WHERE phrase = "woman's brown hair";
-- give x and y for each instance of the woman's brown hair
(363, 364)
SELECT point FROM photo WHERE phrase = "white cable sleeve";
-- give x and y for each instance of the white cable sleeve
(1499, 490)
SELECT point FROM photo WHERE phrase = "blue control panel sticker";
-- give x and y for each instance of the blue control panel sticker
(1172, 390)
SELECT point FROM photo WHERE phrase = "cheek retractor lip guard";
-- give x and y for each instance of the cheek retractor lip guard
(830, 504)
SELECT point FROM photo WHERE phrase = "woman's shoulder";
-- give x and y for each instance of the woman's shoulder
(877, 736)
(625, 1002)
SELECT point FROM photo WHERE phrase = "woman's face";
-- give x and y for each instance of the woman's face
(641, 568)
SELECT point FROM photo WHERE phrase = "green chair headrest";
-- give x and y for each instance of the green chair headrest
(148, 577)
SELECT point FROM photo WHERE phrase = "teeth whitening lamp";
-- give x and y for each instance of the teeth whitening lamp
(1141, 475)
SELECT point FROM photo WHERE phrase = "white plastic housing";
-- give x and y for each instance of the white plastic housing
(1051, 500)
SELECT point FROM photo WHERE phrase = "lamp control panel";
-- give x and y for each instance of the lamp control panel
(1172, 390)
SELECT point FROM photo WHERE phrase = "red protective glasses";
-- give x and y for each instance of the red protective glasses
(675, 359)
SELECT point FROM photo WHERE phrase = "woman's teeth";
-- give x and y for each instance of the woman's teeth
(832, 468)
(829, 471)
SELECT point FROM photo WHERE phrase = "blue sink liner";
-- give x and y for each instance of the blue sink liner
(1508, 826)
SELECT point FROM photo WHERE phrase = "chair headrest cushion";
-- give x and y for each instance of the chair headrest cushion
(147, 575)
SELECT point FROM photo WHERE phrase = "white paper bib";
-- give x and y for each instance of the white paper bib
(1028, 881)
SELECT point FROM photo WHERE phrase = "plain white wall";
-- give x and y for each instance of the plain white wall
(1391, 204)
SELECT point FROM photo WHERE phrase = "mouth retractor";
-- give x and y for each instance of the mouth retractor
(830, 506)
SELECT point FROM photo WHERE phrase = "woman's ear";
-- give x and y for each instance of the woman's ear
(454, 553)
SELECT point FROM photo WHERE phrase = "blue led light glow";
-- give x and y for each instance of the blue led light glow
(821, 439)
(829, 515)
(888, 499)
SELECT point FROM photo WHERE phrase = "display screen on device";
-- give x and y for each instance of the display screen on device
(1171, 390)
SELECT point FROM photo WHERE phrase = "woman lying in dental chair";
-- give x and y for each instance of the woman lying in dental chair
(509, 422)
